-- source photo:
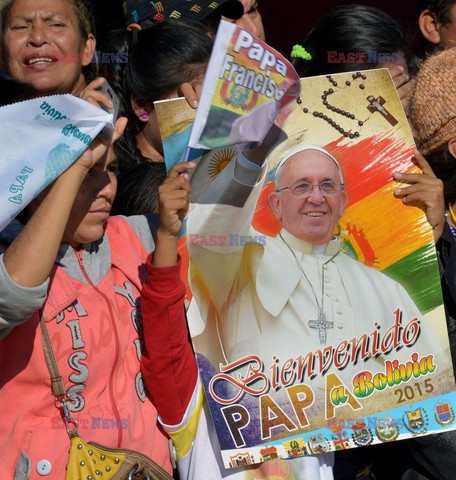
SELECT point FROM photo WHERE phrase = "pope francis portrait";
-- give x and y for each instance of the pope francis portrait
(282, 297)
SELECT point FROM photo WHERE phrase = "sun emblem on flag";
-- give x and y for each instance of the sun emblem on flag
(219, 161)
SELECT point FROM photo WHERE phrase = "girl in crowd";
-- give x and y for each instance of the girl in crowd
(366, 36)
(160, 59)
(81, 272)
(167, 352)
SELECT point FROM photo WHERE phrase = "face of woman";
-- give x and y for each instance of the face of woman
(93, 203)
(149, 140)
(43, 46)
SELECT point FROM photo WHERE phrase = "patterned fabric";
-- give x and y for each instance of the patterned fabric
(147, 13)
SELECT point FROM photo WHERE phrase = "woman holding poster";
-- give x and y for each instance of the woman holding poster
(433, 116)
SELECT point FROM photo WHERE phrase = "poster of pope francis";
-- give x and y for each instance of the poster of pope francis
(315, 309)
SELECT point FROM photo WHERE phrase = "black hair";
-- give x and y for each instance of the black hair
(443, 164)
(354, 29)
(160, 59)
(441, 9)
(12, 91)
(137, 189)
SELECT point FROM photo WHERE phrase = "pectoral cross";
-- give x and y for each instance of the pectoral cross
(376, 105)
(322, 324)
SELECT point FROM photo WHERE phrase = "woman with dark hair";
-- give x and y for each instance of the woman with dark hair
(353, 29)
(49, 44)
(160, 59)
(357, 37)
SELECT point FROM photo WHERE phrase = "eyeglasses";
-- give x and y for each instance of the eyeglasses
(304, 189)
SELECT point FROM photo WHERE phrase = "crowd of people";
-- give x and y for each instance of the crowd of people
(101, 273)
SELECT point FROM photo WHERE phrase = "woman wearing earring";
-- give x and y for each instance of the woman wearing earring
(160, 59)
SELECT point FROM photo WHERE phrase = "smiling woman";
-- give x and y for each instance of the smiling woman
(39, 38)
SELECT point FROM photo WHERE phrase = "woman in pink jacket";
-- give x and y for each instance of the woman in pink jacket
(83, 272)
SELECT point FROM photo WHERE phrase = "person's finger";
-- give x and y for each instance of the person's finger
(405, 89)
(172, 206)
(396, 70)
(401, 81)
(97, 98)
(428, 193)
(168, 197)
(90, 99)
(119, 128)
(423, 164)
(95, 84)
(175, 183)
(91, 93)
(417, 178)
(415, 200)
(283, 115)
(99, 148)
(182, 167)
(187, 91)
(398, 75)
(419, 181)
(175, 186)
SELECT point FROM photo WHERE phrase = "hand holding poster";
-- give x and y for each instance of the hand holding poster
(247, 82)
(310, 344)
(40, 139)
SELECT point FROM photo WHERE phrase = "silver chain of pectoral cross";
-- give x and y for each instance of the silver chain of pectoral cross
(321, 323)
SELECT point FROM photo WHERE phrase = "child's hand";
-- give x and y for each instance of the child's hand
(173, 202)
(173, 199)
(192, 90)
(425, 191)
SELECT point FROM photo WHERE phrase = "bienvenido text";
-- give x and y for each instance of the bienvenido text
(250, 375)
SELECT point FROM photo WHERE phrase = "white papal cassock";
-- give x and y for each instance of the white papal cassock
(257, 298)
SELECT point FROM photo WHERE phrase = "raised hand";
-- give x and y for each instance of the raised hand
(173, 203)
(98, 148)
(94, 96)
(192, 90)
(425, 191)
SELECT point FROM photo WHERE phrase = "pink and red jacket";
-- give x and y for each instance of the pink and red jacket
(92, 313)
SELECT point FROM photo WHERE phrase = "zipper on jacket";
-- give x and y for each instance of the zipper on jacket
(116, 335)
